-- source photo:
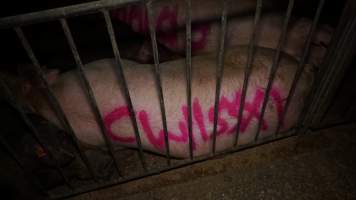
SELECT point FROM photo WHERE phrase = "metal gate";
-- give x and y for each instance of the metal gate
(338, 58)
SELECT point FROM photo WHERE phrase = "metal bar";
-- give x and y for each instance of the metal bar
(248, 69)
(34, 131)
(188, 73)
(158, 171)
(52, 99)
(157, 74)
(275, 65)
(339, 64)
(301, 64)
(123, 83)
(331, 56)
(57, 13)
(89, 92)
(336, 64)
(219, 71)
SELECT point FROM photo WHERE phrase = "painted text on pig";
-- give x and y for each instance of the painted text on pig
(251, 111)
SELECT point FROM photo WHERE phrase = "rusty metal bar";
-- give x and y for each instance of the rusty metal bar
(34, 131)
(57, 13)
(275, 64)
(52, 99)
(248, 69)
(88, 91)
(301, 64)
(157, 74)
(219, 70)
(188, 73)
(123, 83)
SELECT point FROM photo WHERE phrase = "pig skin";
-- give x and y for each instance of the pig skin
(140, 78)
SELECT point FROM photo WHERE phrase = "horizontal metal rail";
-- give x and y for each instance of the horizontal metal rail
(63, 12)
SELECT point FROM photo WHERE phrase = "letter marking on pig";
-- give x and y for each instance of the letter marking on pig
(251, 109)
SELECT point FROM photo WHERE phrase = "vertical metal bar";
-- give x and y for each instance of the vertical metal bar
(301, 64)
(52, 99)
(219, 70)
(274, 65)
(188, 72)
(88, 91)
(338, 59)
(248, 69)
(33, 131)
(157, 74)
(122, 82)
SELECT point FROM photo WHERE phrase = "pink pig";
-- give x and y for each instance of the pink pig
(145, 100)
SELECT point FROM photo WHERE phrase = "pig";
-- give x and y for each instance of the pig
(143, 91)
(169, 20)
(170, 15)
(205, 37)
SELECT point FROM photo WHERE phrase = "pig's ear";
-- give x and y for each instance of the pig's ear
(51, 75)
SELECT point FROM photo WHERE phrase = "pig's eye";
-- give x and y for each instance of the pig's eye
(323, 44)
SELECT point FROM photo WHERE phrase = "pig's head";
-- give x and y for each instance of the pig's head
(298, 34)
(25, 85)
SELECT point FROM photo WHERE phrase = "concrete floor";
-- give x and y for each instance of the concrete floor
(317, 166)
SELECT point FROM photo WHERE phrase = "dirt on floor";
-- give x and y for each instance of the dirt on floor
(319, 165)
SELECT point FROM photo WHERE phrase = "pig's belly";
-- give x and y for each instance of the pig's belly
(146, 103)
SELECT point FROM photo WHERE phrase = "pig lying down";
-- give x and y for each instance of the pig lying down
(169, 23)
(145, 100)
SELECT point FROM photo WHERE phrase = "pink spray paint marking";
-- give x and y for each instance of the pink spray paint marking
(184, 127)
(116, 116)
(199, 118)
(158, 141)
(134, 15)
(166, 25)
(251, 109)
(231, 107)
(278, 101)
(202, 30)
